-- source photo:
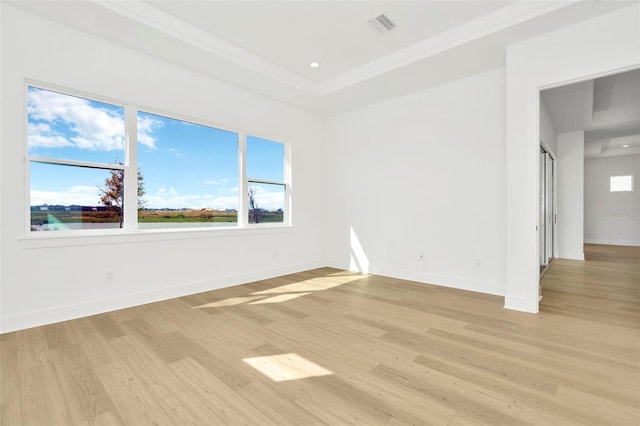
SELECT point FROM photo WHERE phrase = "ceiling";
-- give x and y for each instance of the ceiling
(607, 109)
(266, 46)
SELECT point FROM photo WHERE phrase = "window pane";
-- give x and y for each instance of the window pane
(69, 197)
(265, 159)
(621, 183)
(266, 202)
(71, 128)
(189, 173)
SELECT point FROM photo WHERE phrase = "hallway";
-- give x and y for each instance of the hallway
(605, 288)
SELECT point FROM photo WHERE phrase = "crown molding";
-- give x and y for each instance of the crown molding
(491, 23)
(155, 18)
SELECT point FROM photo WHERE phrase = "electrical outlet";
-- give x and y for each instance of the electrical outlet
(108, 276)
(421, 257)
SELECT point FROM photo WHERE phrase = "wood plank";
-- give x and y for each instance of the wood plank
(96, 347)
(83, 392)
(151, 370)
(42, 400)
(134, 403)
(33, 348)
(223, 404)
(399, 353)
(10, 411)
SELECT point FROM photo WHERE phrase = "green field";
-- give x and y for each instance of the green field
(144, 216)
(147, 215)
(74, 216)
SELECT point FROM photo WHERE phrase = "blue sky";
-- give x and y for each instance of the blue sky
(183, 164)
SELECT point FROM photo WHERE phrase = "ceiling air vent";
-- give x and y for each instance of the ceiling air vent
(382, 24)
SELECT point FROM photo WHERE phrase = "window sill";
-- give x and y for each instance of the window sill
(41, 240)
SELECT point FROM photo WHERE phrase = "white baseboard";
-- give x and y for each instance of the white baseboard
(571, 256)
(435, 279)
(444, 281)
(93, 307)
(517, 303)
(633, 243)
(68, 312)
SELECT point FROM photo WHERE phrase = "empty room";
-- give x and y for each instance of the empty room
(319, 212)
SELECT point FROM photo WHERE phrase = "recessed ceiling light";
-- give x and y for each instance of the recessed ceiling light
(314, 64)
(625, 146)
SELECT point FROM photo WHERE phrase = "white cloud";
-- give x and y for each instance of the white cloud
(73, 120)
(176, 152)
(171, 199)
(167, 193)
(57, 120)
(146, 126)
(84, 189)
(223, 181)
(47, 141)
(268, 200)
(86, 195)
(40, 134)
(76, 195)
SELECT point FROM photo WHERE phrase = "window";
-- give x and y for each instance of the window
(75, 146)
(267, 190)
(188, 172)
(621, 183)
(179, 174)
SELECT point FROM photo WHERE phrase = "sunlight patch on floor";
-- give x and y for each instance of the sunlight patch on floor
(283, 367)
(279, 298)
(288, 292)
(314, 284)
(228, 302)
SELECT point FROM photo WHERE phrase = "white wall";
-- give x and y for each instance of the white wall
(611, 217)
(571, 195)
(602, 45)
(61, 278)
(422, 174)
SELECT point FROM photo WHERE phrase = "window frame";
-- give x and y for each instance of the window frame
(125, 166)
(130, 168)
(198, 122)
(285, 183)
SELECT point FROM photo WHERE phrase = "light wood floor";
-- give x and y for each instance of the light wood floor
(396, 353)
